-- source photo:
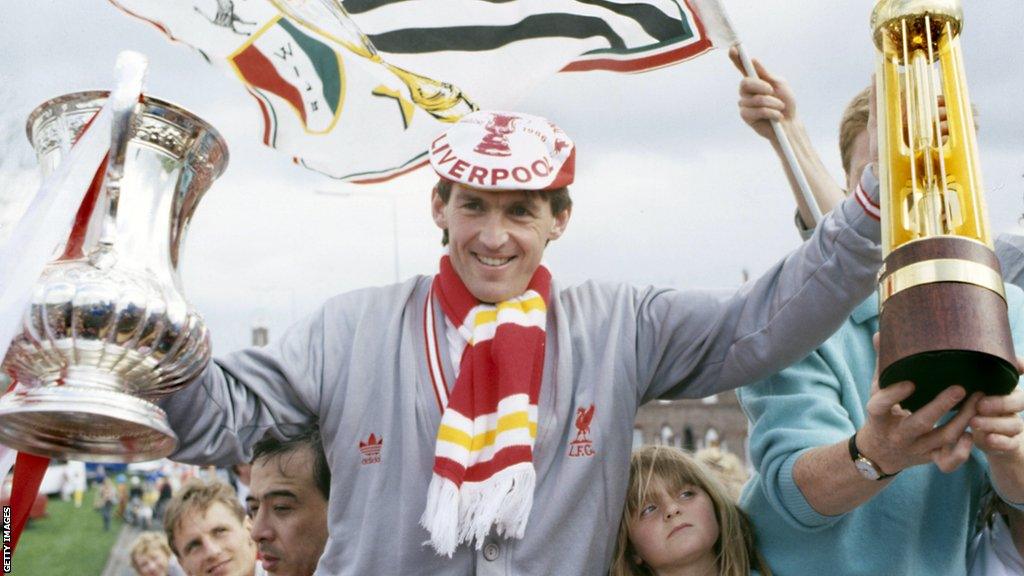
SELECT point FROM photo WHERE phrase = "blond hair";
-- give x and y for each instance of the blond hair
(727, 466)
(148, 542)
(735, 550)
(853, 123)
(197, 496)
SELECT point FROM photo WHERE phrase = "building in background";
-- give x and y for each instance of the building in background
(694, 424)
(260, 336)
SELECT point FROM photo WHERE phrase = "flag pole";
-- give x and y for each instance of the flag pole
(715, 16)
(787, 147)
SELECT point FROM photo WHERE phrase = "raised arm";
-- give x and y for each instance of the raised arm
(244, 395)
(768, 98)
(694, 344)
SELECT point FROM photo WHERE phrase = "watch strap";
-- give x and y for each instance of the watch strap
(855, 455)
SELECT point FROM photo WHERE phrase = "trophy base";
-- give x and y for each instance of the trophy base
(933, 372)
(938, 334)
(81, 422)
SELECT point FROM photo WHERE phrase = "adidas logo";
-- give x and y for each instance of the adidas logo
(371, 449)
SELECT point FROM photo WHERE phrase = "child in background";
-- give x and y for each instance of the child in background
(151, 556)
(679, 518)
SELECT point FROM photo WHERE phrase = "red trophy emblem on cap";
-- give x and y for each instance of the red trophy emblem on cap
(495, 142)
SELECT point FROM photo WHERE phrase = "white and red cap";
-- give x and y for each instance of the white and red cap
(491, 150)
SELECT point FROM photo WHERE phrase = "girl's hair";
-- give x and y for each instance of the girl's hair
(735, 549)
(147, 542)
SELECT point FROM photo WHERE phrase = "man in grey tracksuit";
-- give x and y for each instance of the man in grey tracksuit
(373, 367)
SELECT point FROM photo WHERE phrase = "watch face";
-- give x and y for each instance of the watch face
(866, 469)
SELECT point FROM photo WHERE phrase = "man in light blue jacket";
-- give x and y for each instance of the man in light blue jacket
(846, 481)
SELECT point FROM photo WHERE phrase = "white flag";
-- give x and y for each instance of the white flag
(357, 89)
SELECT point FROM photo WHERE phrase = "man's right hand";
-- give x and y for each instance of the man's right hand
(763, 99)
(891, 437)
(895, 439)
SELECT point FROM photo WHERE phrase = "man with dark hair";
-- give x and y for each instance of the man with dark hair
(290, 483)
(451, 404)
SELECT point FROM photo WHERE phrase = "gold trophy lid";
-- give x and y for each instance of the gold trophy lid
(888, 14)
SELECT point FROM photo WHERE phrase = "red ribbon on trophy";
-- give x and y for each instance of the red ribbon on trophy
(29, 469)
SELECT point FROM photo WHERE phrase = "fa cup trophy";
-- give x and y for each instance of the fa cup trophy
(108, 329)
(942, 307)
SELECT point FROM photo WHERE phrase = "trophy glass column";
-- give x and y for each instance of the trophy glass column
(943, 310)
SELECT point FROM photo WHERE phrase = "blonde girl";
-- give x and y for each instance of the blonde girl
(680, 520)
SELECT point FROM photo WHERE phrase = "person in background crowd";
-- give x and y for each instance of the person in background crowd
(151, 556)
(122, 495)
(680, 519)
(78, 481)
(67, 484)
(291, 485)
(106, 500)
(164, 498)
(727, 465)
(135, 492)
(240, 477)
(209, 532)
(846, 481)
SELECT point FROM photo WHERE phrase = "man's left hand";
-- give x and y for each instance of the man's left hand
(998, 428)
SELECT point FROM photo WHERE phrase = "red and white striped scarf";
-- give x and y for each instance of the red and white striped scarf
(483, 459)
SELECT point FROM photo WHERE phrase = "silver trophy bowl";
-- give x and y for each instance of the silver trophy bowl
(108, 329)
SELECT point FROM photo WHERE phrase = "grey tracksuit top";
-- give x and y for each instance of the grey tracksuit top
(359, 367)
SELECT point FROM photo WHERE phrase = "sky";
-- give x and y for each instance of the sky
(671, 187)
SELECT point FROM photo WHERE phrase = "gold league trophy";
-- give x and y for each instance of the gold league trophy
(942, 307)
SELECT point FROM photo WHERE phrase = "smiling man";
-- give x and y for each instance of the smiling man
(480, 420)
(209, 532)
(289, 486)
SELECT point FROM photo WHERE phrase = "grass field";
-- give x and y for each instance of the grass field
(68, 542)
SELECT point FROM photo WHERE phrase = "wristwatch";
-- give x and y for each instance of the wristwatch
(865, 466)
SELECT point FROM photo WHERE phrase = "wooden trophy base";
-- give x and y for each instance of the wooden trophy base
(945, 322)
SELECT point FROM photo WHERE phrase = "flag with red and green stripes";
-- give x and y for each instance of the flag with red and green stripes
(357, 89)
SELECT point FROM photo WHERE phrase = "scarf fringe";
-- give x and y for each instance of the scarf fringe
(441, 516)
(454, 517)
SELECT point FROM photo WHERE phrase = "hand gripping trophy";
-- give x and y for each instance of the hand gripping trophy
(943, 309)
(108, 329)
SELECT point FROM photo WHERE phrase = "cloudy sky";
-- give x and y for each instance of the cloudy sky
(672, 188)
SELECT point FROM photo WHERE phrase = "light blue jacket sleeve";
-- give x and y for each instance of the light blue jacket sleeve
(816, 402)
(820, 401)
(790, 413)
